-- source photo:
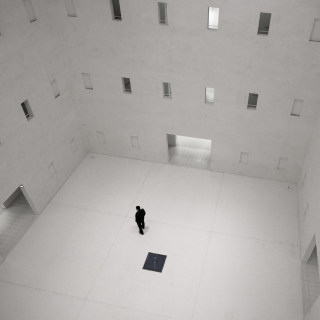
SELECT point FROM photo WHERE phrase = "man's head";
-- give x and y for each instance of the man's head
(137, 207)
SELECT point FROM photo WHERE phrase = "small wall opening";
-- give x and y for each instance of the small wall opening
(30, 11)
(315, 33)
(189, 151)
(16, 217)
(264, 23)
(115, 9)
(163, 16)
(213, 18)
(27, 110)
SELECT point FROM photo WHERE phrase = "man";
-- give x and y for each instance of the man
(140, 218)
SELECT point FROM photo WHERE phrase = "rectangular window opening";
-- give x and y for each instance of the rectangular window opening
(135, 142)
(282, 163)
(315, 33)
(30, 11)
(101, 137)
(244, 156)
(209, 95)
(163, 15)
(213, 18)
(52, 170)
(71, 10)
(167, 90)
(264, 23)
(27, 110)
(297, 107)
(87, 81)
(252, 101)
(115, 8)
(73, 145)
(55, 88)
(126, 85)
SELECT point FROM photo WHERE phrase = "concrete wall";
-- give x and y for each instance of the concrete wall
(309, 205)
(32, 55)
(234, 60)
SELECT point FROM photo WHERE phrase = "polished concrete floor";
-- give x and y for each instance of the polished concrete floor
(14, 223)
(189, 157)
(232, 246)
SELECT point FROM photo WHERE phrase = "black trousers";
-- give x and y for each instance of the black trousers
(140, 225)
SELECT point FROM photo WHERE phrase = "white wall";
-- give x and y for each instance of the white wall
(32, 55)
(309, 204)
(234, 60)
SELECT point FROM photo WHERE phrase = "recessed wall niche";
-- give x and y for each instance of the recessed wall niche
(282, 164)
(87, 81)
(30, 11)
(55, 88)
(135, 142)
(71, 10)
(73, 145)
(315, 33)
(101, 137)
(244, 156)
(297, 107)
(52, 170)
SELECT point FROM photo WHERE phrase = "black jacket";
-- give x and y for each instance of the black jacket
(140, 215)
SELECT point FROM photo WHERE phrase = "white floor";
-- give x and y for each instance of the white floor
(189, 157)
(232, 246)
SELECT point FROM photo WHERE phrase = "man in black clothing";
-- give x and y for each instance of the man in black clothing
(140, 218)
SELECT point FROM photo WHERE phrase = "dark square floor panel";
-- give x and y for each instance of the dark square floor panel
(154, 262)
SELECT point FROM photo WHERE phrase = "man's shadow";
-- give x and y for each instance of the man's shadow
(135, 229)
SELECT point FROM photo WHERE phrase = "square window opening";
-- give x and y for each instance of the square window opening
(252, 101)
(115, 9)
(209, 97)
(264, 23)
(167, 90)
(27, 110)
(213, 18)
(163, 14)
(126, 85)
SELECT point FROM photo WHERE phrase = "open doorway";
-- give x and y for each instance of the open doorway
(16, 217)
(310, 277)
(189, 152)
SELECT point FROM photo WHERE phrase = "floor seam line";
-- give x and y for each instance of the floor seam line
(235, 235)
(216, 208)
(38, 289)
(201, 275)
(143, 311)
(97, 211)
